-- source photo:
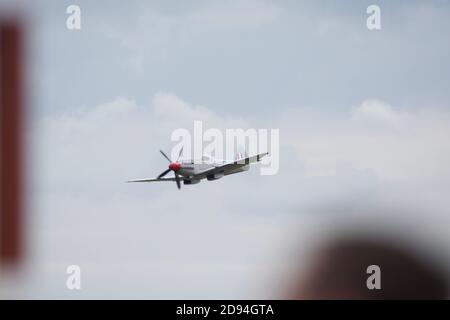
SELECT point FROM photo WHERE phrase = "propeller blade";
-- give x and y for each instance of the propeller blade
(177, 179)
(164, 173)
(165, 156)
(180, 154)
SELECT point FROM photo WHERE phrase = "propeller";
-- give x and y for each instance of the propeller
(174, 166)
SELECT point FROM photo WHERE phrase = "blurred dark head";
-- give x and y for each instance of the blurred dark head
(339, 271)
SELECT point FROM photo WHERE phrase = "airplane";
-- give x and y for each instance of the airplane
(210, 169)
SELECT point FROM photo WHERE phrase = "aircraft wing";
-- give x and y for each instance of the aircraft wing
(229, 166)
(251, 159)
(152, 180)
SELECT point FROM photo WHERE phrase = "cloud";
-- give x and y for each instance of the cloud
(237, 14)
(221, 235)
(83, 212)
(155, 32)
(377, 112)
(374, 136)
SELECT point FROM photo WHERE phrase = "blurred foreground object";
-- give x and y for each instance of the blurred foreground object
(339, 270)
(10, 143)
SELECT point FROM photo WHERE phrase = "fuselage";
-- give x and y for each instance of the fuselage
(191, 169)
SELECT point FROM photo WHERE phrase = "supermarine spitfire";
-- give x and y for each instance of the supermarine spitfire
(192, 172)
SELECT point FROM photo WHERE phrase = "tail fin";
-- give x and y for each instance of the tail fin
(241, 152)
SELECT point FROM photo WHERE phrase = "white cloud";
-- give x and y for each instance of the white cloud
(393, 145)
(218, 239)
(377, 112)
(83, 212)
(238, 13)
(154, 31)
(121, 130)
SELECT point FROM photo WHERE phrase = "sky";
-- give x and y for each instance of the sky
(364, 120)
